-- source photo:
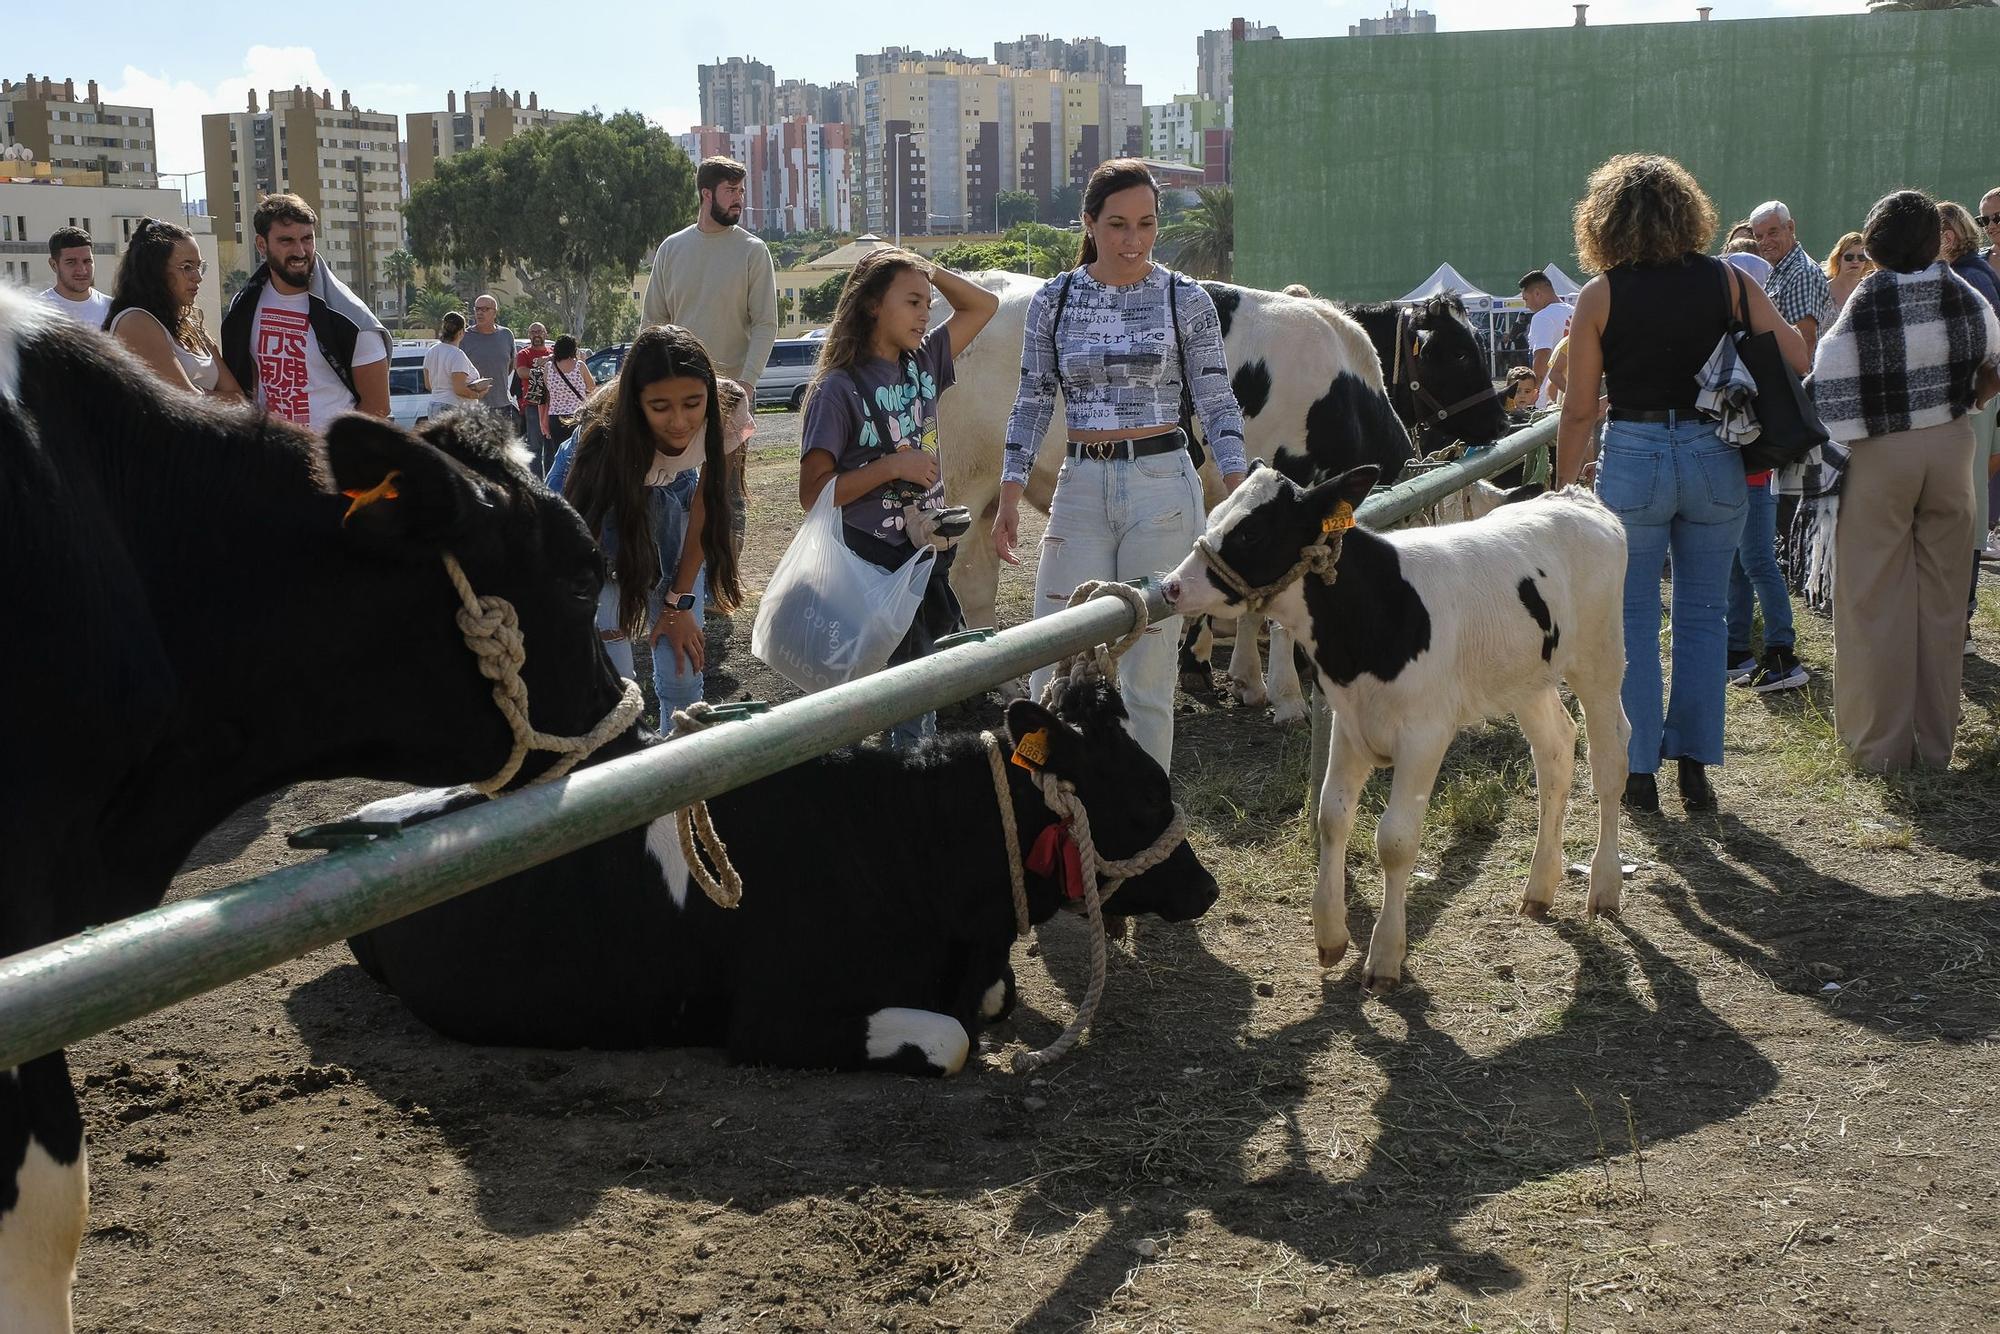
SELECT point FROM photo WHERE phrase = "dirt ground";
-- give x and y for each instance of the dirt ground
(1762, 1099)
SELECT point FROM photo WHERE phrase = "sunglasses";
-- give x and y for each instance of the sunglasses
(1853, 259)
(1985, 221)
(200, 267)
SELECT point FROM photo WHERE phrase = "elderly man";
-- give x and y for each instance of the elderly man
(1797, 287)
(490, 344)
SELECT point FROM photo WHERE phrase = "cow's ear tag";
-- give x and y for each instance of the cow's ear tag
(382, 490)
(1031, 752)
(1339, 521)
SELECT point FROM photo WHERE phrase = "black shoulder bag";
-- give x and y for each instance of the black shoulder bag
(1791, 428)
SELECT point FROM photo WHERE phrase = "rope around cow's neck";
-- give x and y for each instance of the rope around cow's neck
(1321, 557)
(492, 631)
(693, 824)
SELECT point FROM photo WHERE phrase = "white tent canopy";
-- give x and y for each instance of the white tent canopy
(1447, 279)
(1566, 286)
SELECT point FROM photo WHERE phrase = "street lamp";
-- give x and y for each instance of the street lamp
(896, 152)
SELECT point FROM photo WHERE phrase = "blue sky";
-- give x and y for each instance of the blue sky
(401, 58)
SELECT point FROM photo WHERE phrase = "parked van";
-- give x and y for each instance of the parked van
(409, 400)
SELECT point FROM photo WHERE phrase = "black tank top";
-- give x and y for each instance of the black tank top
(1664, 322)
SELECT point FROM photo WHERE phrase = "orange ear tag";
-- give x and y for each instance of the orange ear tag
(1031, 752)
(1339, 521)
(382, 490)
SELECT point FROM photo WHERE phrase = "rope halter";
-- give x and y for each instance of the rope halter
(692, 822)
(1059, 795)
(1321, 556)
(492, 631)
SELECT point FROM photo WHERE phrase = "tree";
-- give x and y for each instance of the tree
(433, 303)
(1063, 206)
(563, 207)
(1029, 247)
(817, 303)
(1203, 242)
(1017, 206)
(400, 268)
(614, 315)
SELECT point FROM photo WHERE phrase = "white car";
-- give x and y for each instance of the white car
(409, 400)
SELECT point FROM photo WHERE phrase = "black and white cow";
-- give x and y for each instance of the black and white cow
(874, 930)
(1421, 632)
(187, 623)
(1307, 378)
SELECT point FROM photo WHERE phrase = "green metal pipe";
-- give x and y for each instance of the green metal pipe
(67, 990)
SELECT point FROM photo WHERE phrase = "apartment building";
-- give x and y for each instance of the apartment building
(892, 58)
(1175, 130)
(1399, 21)
(32, 209)
(341, 159)
(492, 116)
(737, 93)
(1215, 60)
(830, 104)
(941, 141)
(84, 134)
(1082, 55)
(800, 172)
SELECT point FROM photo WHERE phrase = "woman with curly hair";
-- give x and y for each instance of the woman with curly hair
(1647, 323)
(153, 311)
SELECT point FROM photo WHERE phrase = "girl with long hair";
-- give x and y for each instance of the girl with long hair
(645, 470)
(871, 429)
(1647, 323)
(153, 310)
(1134, 347)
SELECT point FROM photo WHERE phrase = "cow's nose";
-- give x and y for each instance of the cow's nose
(1171, 590)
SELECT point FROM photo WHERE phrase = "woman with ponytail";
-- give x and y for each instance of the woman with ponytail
(1136, 350)
(645, 470)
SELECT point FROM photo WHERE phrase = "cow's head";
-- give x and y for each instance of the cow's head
(1451, 390)
(1125, 790)
(1260, 533)
(462, 487)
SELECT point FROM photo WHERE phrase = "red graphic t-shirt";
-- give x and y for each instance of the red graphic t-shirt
(281, 363)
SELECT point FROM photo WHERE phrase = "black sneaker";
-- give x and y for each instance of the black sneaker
(1696, 794)
(1642, 793)
(1781, 671)
(1742, 666)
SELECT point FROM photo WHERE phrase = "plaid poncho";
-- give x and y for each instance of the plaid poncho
(1903, 354)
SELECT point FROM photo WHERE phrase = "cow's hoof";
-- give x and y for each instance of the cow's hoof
(1289, 713)
(1530, 908)
(1595, 909)
(1331, 955)
(1380, 984)
(1197, 683)
(1250, 697)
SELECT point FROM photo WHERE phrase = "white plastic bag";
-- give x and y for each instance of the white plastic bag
(828, 615)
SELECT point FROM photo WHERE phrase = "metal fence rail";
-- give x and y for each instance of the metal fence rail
(60, 993)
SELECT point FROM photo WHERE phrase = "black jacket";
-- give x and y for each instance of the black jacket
(339, 321)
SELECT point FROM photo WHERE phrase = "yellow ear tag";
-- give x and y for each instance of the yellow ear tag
(382, 490)
(1339, 521)
(1031, 752)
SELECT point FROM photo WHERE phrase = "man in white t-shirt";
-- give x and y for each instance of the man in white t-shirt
(75, 269)
(1546, 327)
(308, 345)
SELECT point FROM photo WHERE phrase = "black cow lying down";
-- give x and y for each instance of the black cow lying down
(876, 921)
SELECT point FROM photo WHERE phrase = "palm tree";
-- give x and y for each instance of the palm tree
(1203, 242)
(433, 304)
(400, 267)
(1901, 6)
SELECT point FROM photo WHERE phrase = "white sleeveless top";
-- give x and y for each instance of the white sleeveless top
(202, 370)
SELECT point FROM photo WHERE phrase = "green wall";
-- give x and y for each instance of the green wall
(1362, 163)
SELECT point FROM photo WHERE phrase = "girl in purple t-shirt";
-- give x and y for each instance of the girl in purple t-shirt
(871, 426)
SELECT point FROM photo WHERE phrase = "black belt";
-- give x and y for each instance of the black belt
(1652, 414)
(1117, 451)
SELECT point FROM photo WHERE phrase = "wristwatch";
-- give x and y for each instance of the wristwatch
(682, 602)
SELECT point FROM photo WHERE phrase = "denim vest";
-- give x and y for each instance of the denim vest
(666, 510)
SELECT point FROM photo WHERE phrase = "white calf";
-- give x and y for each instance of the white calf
(1417, 633)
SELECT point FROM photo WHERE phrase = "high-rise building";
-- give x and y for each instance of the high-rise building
(492, 116)
(341, 160)
(1215, 59)
(891, 58)
(1175, 130)
(738, 92)
(941, 141)
(1082, 55)
(1398, 21)
(76, 136)
(826, 103)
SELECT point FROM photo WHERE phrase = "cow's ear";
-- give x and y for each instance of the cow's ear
(404, 494)
(1350, 488)
(1042, 740)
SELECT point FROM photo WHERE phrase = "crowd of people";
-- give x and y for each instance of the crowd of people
(1895, 331)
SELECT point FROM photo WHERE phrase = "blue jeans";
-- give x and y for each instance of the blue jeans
(1755, 572)
(1120, 520)
(1676, 486)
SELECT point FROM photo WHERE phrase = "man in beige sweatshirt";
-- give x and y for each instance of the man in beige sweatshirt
(716, 279)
